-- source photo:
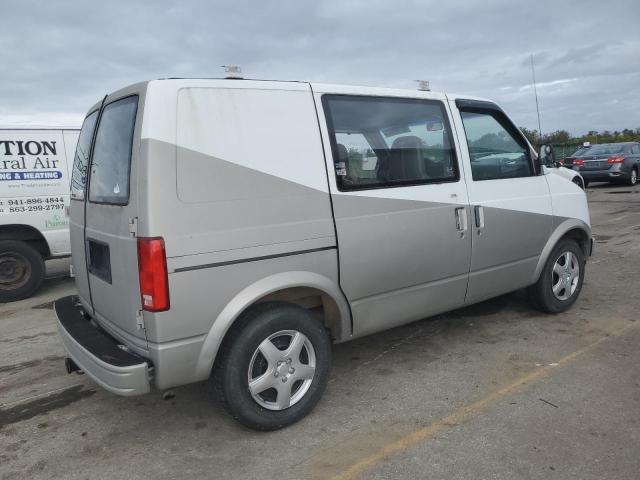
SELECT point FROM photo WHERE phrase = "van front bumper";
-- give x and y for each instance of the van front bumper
(98, 354)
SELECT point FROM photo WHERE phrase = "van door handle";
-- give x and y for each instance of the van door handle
(461, 219)
(479, 214)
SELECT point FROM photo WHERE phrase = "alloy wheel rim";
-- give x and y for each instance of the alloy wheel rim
(634, 177)
(281, 370)
(14, 271)
(565, 275)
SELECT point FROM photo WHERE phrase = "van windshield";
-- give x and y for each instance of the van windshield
(111, 162)
(81, 159)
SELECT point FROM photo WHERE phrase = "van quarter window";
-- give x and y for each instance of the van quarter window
(79, 175)
(494, 150)
(111, 162)
(387, 142)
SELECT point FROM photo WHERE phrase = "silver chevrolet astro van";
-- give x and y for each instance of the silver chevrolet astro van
(234, 229)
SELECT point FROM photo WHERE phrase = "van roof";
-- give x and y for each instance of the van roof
(294, 84)
(317, 84)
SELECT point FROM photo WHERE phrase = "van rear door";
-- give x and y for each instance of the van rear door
(111, 214)
(76, 207)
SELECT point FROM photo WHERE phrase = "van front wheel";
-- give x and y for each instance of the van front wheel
(275, 366)
(21, 270)
(561, 279)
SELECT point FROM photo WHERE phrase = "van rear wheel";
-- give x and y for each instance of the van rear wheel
(274, 366)
(561, 279)
(21, 270)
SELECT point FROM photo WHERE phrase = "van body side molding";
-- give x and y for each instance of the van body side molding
(252, 259)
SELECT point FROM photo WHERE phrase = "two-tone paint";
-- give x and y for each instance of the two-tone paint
(237, 177)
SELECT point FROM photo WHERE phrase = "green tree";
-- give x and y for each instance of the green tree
(532, 135)
(557, 137)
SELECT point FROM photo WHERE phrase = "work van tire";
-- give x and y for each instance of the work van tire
(541, 293)
(21, 270)
(240, 353)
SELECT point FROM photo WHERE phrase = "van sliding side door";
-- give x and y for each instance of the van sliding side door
(400, 205)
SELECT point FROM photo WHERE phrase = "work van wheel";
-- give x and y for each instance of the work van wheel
(578, 182)
(21, 270)
(275, 366)
(561, 279)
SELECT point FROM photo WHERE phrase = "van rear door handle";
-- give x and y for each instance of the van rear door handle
(461, 219)
(479, 214)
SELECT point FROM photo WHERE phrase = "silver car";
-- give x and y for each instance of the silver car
(233, 229)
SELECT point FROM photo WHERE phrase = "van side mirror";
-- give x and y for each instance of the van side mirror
(546, 157)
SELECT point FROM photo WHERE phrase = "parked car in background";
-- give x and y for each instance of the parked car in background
(609, 162)
(35, 164)
(568, 161)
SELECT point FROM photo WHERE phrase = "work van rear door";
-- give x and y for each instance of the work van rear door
(110, 220)
(77, 202)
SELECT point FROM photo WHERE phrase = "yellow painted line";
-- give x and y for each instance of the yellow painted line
(425, 433)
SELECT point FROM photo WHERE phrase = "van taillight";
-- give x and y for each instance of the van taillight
(152, 270)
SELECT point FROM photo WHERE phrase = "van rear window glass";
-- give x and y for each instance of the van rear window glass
(111, 162)
(81, 159)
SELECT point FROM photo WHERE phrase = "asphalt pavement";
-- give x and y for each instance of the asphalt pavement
(492, 391)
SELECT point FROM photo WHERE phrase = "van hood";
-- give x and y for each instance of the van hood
(563, 172)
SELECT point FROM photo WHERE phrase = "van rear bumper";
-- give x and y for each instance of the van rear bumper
(98, 354)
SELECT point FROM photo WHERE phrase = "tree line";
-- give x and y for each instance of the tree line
(562, 137)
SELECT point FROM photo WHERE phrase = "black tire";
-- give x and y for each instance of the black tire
(578, 182)
(633, 177)
(240, 351)
(541, 293)
(586, 184)
(21, 270)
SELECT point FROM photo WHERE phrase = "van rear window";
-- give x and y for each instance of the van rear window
(111, 162)
(81, 159)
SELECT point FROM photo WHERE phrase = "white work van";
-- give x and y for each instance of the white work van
(35, 164)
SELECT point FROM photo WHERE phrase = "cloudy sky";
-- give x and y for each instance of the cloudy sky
(59, 57)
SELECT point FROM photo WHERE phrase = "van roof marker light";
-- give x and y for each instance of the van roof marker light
(232, 71)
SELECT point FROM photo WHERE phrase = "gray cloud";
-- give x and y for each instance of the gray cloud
(59, 57)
